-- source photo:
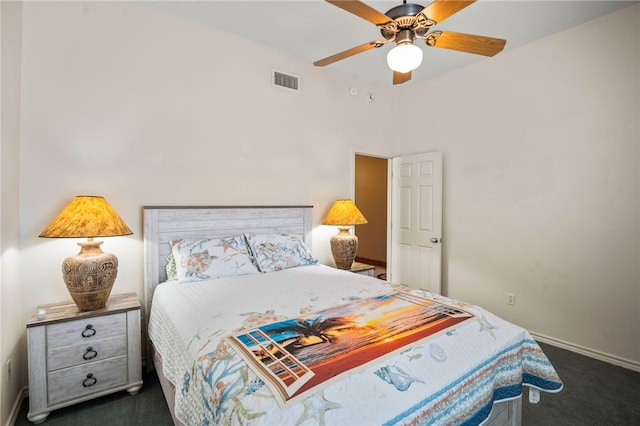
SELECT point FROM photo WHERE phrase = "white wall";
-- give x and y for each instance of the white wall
(541, 193)
(127, 102)
(12, 345)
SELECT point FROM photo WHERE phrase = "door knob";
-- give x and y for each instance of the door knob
(435, 240)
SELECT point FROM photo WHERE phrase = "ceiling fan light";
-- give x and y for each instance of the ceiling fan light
(404, 57)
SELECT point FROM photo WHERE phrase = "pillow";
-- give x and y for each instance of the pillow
(274, 252)
(172, 273)
(205, 259)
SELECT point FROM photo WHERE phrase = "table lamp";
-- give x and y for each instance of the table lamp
(344, 245)
(90, 274)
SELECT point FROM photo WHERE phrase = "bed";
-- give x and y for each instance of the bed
(234, 346)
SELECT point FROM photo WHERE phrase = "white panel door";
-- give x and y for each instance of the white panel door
(416, 221)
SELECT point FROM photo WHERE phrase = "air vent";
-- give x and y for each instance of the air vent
(286, 81)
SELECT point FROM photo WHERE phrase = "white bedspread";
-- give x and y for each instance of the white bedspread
(450, 378)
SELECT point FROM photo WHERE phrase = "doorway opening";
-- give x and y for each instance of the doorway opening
(371, 197)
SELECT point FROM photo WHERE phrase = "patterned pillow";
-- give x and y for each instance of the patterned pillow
(274, 252)
(205, 259)
(172, 273)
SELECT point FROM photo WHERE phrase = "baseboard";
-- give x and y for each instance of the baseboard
(15, 410)
(601, 356)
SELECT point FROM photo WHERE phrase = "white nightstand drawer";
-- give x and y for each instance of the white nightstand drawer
(86, 330)
(66, 367)
(68, 356)
(86, 379)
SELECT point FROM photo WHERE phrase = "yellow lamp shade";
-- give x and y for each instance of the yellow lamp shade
(344, 213)
(86, 216)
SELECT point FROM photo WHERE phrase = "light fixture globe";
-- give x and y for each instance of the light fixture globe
(404, 57)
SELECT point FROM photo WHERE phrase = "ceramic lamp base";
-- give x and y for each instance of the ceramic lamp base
(344, 247)
(90, 275)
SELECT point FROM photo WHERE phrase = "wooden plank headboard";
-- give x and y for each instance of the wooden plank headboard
(163, 224)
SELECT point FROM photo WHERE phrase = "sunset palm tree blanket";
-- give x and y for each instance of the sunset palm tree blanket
(295, 357)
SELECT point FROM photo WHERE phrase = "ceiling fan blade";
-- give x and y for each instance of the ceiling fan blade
(401, 77)
(479, 45)
(349, 52)
(363, 11)
(440, 10)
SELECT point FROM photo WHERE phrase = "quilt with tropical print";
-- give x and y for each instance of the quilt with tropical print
(298, 356)
(452, 377)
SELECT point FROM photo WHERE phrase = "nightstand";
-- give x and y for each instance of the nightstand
(75, 356)
(363, 269)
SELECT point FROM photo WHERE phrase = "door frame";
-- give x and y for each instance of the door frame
(389, 159)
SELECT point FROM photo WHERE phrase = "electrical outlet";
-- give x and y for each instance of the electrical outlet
(511, 299)
(8, 370)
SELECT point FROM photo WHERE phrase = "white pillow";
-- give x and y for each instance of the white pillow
(205, 259)
(275, 252)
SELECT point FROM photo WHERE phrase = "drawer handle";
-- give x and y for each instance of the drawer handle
(89, 381)
(90, 353)
(88, 331)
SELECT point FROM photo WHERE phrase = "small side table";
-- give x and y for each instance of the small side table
(76, 356)
(363, 269)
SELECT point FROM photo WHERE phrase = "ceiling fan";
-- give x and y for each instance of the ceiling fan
(403, 24)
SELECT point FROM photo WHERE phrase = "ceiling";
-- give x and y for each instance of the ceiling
(314, 29)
